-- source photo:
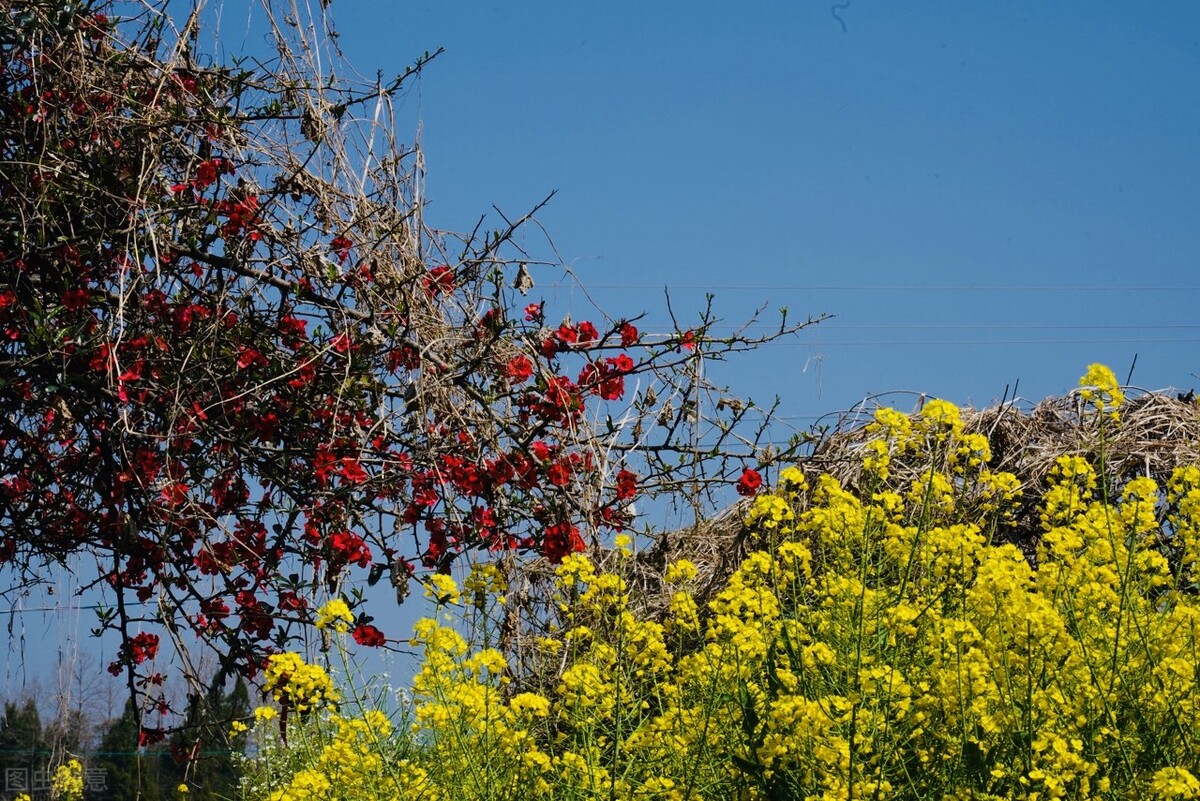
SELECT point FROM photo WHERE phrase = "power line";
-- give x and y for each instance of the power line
(973, 343)
(1006, 326)
(878, 288)
(922, 343)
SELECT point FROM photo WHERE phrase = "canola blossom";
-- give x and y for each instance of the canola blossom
(303, 687)
(879, 641)
(335, 615)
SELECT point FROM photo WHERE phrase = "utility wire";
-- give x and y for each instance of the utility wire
(880, 288)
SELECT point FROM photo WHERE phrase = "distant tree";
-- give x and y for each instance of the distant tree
(70, 732)
(22, 745)
(130, 773)
(204, 748)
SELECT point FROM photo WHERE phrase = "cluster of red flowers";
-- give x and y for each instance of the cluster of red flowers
(134, 651)
(606, 377)
(230, 408)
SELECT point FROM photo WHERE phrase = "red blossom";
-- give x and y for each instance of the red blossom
(207, 172)
(559, 473)
(519, 369)
(566, 335)
(248, 357)
(626, 485)
(587, 333)
(140, 647)
(560, 540)
(749, 483)
(352, 471)
(687, 340)
(541, 451)
(535, 312)
(629, 335)
(243, 216)
(440, 281)
(368, 635)
(349, 548)
(76, 299)
(292, 330)
(340, 245)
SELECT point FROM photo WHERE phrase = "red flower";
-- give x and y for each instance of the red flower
(688, 340)
(541, 451)
(349, 548)
(340, 245)
(534, 313)
(561, 539)
(208, 171)
(142, 647)
(567, 335)
(519, 369)
(559, 473)
(366, 634)
(626, 485)
(173, 494)
(629, 335)
(749, 483)
(587, 333)
(440, 281)
(249, 357)
(76, 299)
(352, 471)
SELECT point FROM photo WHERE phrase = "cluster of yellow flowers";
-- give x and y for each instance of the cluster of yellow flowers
(1100, 390)
(303, 687)
(335, 615)
(67, 782)
(880, 643)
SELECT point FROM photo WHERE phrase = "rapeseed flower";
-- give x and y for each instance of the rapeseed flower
(334, 614)
(67, 783)
(302, 686)
(1101, 391)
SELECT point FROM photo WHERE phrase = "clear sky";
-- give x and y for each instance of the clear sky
(982, 193)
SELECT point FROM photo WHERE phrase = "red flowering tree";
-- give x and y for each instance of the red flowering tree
(236, 369)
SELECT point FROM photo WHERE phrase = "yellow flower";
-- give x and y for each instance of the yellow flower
(289, 679)
(335, 614)
(262, 713)
(680, 571)
(530, 703)
(67, 783)
(1175, 783)
(1101, 390)
(442, 589)
(791, 480)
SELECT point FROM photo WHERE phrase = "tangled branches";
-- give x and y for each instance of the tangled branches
(236, 367)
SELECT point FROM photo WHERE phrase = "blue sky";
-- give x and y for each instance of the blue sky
(923, 153)
(982, 193)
